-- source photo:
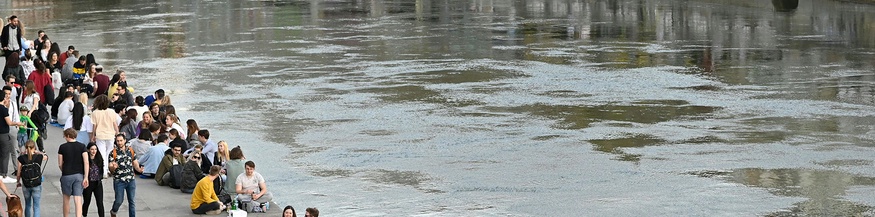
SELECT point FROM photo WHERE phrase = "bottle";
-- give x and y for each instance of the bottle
(234, 204)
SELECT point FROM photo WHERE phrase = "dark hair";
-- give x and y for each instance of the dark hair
(313, 212)
(119, 107)
(115, 78)
(250, 164)
(39, 65)
(236, 153)
(78, 115)
(140, 101)
(13, 60)
(98, 158)
(161, 137)
(101, 102)
(204, 133)
(71, 47)
(89, 59)
(68, 94)
(81, 58)
(14, 17)
(153, 127)
(3, 97)
(174, 132)
(7, 88)
(145, 135)
(170, 110)
(55, 48)
(289, 207)
(192, 127)
(159, 93)
(130, 117)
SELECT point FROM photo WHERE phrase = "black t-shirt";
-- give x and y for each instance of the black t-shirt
(72, 152)
(37, 158)
(4, 127)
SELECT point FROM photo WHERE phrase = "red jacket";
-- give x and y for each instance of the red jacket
(40, 80)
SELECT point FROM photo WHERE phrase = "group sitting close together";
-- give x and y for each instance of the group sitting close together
(110, 133)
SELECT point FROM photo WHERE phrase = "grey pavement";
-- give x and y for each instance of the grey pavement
(151, 199)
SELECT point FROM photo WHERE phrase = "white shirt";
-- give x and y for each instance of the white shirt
(140, 110)
(65, 110)
(86, 124)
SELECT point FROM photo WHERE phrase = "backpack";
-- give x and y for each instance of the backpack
(175, 176)
(115, 156)
(31, 173)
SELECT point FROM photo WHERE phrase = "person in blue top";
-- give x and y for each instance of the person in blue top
(153, 157)
(159, 94)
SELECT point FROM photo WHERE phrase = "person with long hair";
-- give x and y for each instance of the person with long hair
(233, 168)
(81, 122)
(27, 65)
(30, 98)
(41, 78)
(129, 124)
(105, 128)
(95, 175)
(43, 51)
(145, 123)
(13, 67)
(222, 156)
(289, 211)
(192, 129)
(172, 122)
(33, 193)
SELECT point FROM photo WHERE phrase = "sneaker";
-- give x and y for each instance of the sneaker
(266, 206)
(9, 180)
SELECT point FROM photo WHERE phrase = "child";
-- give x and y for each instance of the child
(23, 136)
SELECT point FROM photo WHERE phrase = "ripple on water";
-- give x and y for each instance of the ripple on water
(823, 189)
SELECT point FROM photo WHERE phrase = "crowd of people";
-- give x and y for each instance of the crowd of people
(110, 133)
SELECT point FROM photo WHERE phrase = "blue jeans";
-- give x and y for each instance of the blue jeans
(31, 199)
(120, 188)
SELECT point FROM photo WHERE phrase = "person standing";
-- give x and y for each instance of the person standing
(122, 165)
(95, 176)
(30, 165)
(204, 199)
(12, 106)
(104, 122)
(11, 37)
(7, 141)
(73, 162)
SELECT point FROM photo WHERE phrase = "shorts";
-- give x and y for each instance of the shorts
(72, 184)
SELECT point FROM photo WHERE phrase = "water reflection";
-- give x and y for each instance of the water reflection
(822, 188)
(436, 96)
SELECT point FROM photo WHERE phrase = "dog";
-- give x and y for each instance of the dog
(13, 206)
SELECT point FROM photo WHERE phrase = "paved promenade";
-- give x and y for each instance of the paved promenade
(151, 199)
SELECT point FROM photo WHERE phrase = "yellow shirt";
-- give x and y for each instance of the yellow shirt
(203, 193)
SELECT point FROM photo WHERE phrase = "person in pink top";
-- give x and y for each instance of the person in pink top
(41, 78)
